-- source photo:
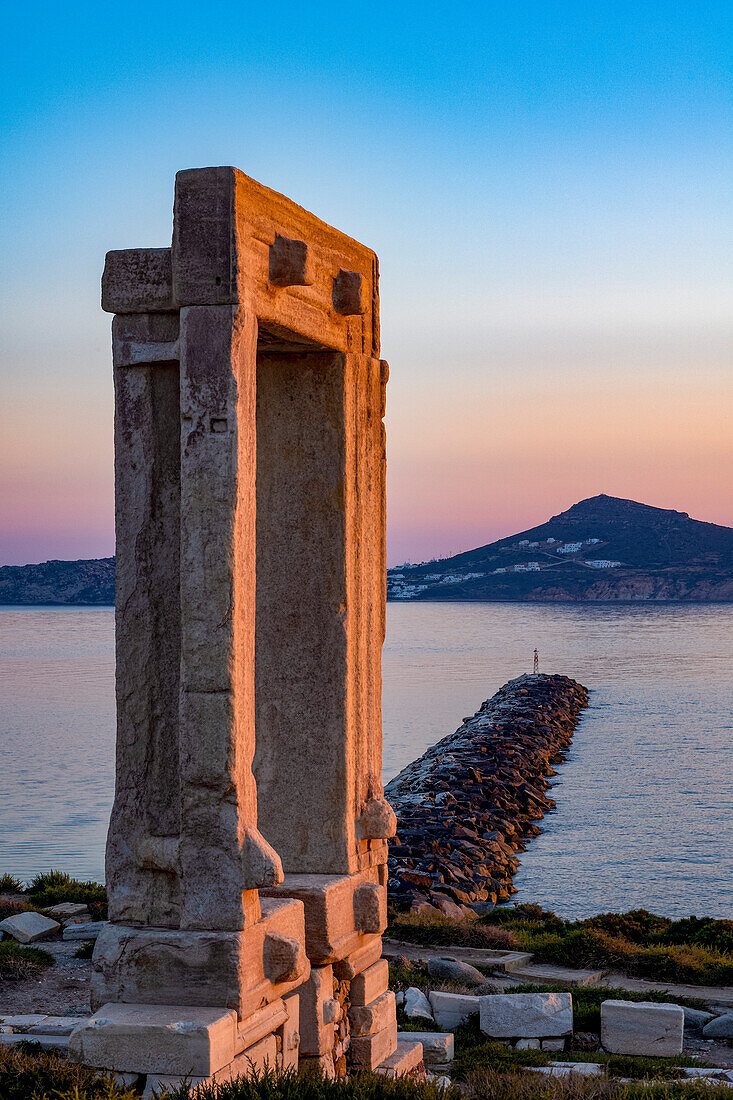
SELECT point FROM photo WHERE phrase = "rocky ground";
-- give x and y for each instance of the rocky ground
(470, 803)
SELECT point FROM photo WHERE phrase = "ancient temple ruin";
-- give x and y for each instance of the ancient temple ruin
(247, 850)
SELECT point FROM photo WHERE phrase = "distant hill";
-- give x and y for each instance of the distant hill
(65, 582)
(603, 548)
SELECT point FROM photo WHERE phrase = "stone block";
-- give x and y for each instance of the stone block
(379, 1014)
(370, 984)
(553, 1044)
(291, 262)
(371, 1050)
(169, 966)
(528, 1044)
(48, 1042)
(526, 1015)
(57, 1025)
(642, 1028)
(138, 280)
(416, 1004)
(138, 1038)
(261, 1056)
(68, 909)
(333, 915)
(349, 293)
(29, 927)
(316, 1033)
(22, 1022)
(437, 1046)
(260, 1024)
(365, 956)
(452, 1009)
(90, 930)
(695, 1018)
(406, 1059)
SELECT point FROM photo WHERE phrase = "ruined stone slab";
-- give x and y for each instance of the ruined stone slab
(138, 1038)
(29, 927)
(335, 919)
(161, 966)
(642, 1028)
(370, 984)
(138, 280)
(371, 1050)
(367, 1019)
(407, 1058)
(526, 1015)
(452, 1009)
(437, 1047)
(90, 930)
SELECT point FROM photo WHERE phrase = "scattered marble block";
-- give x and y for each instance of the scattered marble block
(366, 1019)
(406, 1059)
(56, 1025)
(642, 1028)
(22, 1022)
(526, 1015)
(68, 909)
(48, 1042)
(437, 1046)
(416, 1004)
(29, 927)
(156, 1039)
(86, 931)
(553, 1044)
(528, 1044)
(372, 1050)
(452, 1009)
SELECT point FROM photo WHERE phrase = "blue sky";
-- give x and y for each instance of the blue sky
(547, 186)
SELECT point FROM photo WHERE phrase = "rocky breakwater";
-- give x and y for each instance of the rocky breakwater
(471, 801)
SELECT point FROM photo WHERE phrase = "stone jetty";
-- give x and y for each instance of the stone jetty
(471, 801)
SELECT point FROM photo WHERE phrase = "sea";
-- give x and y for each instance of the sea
(644, 815)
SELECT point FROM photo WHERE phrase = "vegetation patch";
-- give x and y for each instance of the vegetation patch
(697, 951)
(9, 884)
(53, 887)
(85, 950)
(28, 1072)
(489, 1085)
(17, 962)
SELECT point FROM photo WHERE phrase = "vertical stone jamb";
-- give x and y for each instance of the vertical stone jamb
(222, 855)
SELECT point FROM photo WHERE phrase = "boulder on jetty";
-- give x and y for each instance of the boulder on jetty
(465, 807)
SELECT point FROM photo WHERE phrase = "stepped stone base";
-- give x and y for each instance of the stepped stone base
(407, 1060)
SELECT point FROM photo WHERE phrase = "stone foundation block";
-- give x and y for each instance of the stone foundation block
(437, 1047)
(139, 1038)
(261, 1056)
(291, 1033)
(167, 966)
(371, 1050)
(642, 1028)
(368, 952)
(340, 910)
(407, 1059)
(526, 1015)
(368, 1019)
(452, 1009)
(370, 984)
(317, 1014)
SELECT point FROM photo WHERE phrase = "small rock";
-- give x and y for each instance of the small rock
(29, 927)
(527, 1044)
(417, 1005)
(553, 1044)
(719, 1028)
(443, 1082)
(455, 971)
(447, 906)
(399, 999)
(695, 1018)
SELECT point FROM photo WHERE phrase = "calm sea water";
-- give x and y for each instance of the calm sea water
(644, 802)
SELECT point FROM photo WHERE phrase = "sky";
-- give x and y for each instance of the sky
(547, 185)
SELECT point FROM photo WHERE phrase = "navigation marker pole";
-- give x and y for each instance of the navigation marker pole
(536, 668)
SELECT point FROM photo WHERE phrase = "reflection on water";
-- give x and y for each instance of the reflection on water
(644, 803)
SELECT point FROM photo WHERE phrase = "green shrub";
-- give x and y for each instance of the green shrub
(28, 1072)
(11, 908)
(52, 887)
(10, 885)
(85, 951)
(18, 962)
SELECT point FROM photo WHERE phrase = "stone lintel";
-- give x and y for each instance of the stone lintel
(162, 966)
(341, 911)
(138, 280)
(142, 1038)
